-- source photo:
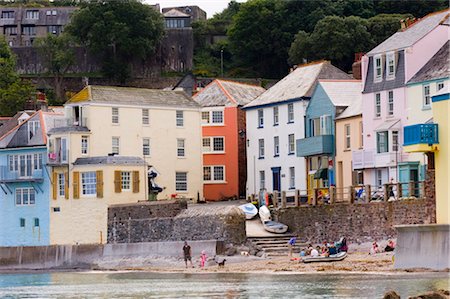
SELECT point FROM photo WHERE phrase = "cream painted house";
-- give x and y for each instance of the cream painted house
(103, 151)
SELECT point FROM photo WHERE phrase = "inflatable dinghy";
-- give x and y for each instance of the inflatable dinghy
(268, 224)
(332, 258)
(249, 210)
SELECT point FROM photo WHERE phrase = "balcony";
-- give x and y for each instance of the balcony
(362, 159)
(24, 174)
(317, 145)
(58, 158)
(421, 138)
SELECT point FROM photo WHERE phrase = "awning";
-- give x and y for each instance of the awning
(321, 173)
(389, 124)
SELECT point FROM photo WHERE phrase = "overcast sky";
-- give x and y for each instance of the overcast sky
(210, 6)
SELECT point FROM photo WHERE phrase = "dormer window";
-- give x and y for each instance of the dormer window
(378, 68)
(390, 65)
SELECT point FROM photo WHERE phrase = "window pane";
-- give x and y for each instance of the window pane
(126, 177)
(206, 144)
(205, 117)
(207, 173)
(218, 173)
(179, 118)
(145, 118)
(218, 144)
(115, 115)
(89, 183)
(217, 117)
(181, 181)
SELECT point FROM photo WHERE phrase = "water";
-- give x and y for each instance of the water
(215, 285)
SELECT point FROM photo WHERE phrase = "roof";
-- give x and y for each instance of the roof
(134, 97)
(110, 160)
(437, 67)
(409, 36)
(68, 129)
(345, 94)
(388, 124)
(175, 13)
(227, 93)
(299, 83)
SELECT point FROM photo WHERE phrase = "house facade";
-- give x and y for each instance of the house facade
(111, 139)
(330, 99)
(24, 182)
(223, 137)
(275, 120)
(385, 71)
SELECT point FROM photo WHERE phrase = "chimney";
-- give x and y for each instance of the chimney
(41, 103)
(356, 66)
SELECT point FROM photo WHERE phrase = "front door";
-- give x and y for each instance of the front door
(276, 178)
(414, 177)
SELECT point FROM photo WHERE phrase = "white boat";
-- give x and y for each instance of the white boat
(332, 258)
(268, 224)
(249, 210)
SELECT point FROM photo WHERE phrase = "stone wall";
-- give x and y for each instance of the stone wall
(359, 222)
(173, 221)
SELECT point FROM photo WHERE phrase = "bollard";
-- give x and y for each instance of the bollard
(368, 190)
(296, 198)
(351, 194)
(314, 199)
(386, 192)
(332, 192)
(283, 199)
(275, 199)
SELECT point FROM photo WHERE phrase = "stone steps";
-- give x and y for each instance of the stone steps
(275, 245)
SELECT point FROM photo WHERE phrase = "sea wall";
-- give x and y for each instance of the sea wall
(359, 222)
(173, 221)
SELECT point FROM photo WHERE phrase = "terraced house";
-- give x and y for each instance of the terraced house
(101, 154)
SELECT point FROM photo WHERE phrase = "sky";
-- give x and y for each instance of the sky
(210, 6)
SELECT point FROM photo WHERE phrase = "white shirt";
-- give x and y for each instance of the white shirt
(314, 253)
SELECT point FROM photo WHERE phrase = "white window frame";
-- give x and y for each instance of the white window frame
(181, 147)
(390, 102)
(440, 85)
(276, 116)
(179, 115)
(22, 200)
(145, 116)
(115, 145)
(261, 151)
(426, 96)
(84, 145)
(291, 144)
(385, 142)
(290, 111)
(211, 149)
(146, 146)
(206, 118)
(214, 119)
(32, 14)
(181, 181)
(395, 141)
(262, 179)
(325, 125)
(88, 183)
(37, 161)
(377, 105)
(213, 170)
(390, 60)
(260, 118)
(125, 180)
(377, 77)
(276, 146)
(291, 177)
(61, 184)
(115, 120)
(347, 132)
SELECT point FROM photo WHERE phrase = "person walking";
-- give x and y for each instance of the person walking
(291, 245)
(187, 253)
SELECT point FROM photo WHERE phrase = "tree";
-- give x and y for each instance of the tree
(118, 31)
(57, 54)
(384, 25)
(13, 92)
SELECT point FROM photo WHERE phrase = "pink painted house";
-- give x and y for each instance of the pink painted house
(385, 71)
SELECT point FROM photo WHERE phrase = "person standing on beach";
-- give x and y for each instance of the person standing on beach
(187, 252)
(291, 245)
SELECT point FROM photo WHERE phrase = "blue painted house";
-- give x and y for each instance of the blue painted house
(24, 182)
(329, 99)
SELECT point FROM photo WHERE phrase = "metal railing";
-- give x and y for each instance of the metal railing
(70, 122)
(421, 133)
(21, 175)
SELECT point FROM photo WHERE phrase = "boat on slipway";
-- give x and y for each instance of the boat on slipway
(332, 258)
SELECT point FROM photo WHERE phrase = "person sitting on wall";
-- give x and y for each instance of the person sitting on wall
(390, 246)
(315, 251)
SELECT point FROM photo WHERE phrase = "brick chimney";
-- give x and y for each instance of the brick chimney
(41, 102)
(356, 66)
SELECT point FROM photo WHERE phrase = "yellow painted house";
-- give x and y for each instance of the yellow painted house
(103, 150)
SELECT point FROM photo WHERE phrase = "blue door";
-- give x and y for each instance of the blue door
(276, 178)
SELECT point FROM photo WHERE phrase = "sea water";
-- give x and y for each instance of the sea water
(216, 285)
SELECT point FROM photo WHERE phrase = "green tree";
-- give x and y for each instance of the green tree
(57, 54)
(118, 31)
(13, 91)
(384, 25)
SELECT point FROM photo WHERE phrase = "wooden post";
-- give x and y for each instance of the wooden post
(351, 194)
(297, 198)
(283, 199)
(411, 189)
(386, 192)
(368, 190)
(314, 199)
(275, 199)
(332, 192)
(422, 190)
(399, 190)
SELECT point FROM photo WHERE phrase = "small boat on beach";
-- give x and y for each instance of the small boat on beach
(249, 210)
(268, 224)
(332, 258)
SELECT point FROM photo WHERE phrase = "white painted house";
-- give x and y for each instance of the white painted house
(274, 121)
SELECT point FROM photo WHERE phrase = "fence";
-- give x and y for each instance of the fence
(351, 194)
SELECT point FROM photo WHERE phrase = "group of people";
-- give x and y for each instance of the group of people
(325, 250)
(376, 249)
(187, 253)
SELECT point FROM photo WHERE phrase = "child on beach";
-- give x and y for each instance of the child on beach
(374, 248)
(203, 259)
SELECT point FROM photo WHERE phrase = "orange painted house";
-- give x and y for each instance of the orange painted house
(223, 137)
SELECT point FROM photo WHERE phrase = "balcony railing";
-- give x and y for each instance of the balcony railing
(58, 157)
(363, 159)
(71, 122)
(421, 134)
(24, 174)
(316, 145)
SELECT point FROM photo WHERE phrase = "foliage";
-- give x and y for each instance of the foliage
(13, 92)
(57, 54)
(119, 31)
(384, 25)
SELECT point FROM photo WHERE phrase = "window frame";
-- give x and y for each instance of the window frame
(385, 142)
(347, 136)
(395, 140)
(61, 184)
(262, 179)
(179, 182)
(84, 145)
(30, 200)
(145, 117)
(440, 83)
(390, 102)
(292, 177)
(390, 57)
(114, 147)
(261, 149)
(212, 173)
(377, 105)
(290, 113)
(276, 146)
(378, 77)
(32, 14)
(125, 181)
(276, 116)
(291, 144)
(179, 118)
(212, 145)
(146, 146)
(88, 183)
(115, 116)
(260, 118)
(426, 96)
(181, 148)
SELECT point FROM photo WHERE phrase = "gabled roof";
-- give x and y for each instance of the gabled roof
(437, 67)
(133, 97)
(345, 94)
(411, 35)
(31, 132)
(175, 13)
(110, 160)
(300, 83)
(227, 93)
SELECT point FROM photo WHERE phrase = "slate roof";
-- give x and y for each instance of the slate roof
(227, 93)
(437, 67)
(299, 84)
(409, 36)
(344, 93)
(134, 97)
(110, 160)
(175, 13)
